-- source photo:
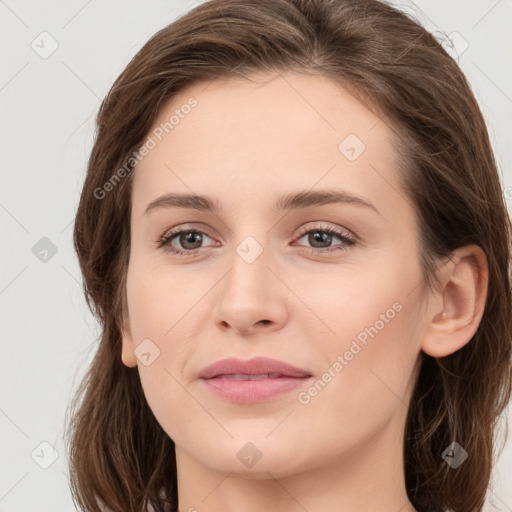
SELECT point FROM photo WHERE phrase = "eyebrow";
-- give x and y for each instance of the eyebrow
(293, 201)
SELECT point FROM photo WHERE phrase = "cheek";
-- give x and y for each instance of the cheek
(158, 301)
(367, 379)
(350, 302)
(369, 338)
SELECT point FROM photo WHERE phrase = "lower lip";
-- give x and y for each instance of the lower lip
(251, 391)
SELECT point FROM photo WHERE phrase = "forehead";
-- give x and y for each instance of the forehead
(274, 132)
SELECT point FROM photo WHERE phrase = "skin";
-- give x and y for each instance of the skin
(247, 143)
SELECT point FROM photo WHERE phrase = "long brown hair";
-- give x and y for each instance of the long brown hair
(120, 457)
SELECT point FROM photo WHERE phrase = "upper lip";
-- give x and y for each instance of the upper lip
(254, 366)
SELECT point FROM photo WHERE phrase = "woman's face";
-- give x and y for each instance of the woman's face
(259, 276)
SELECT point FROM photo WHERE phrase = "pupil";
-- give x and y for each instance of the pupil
(319, 236)
(191, 237)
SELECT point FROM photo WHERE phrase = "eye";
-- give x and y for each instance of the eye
(321, 238)
(189, 239)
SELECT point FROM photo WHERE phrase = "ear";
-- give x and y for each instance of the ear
(464, 282)
(128, 347)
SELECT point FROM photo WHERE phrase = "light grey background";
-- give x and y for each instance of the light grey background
(48, 108)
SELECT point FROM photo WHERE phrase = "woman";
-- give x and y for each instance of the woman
(293, 234)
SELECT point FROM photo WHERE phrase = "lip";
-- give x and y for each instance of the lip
(219, 378)
(254, 366)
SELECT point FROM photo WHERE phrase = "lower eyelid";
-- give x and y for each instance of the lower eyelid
(166, 239)
(345, 243)
(346, 240)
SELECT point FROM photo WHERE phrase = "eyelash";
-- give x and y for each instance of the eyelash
(164, 241)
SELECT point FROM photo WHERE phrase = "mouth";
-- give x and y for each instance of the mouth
(262, 367)
(256, 380)
(246, 376)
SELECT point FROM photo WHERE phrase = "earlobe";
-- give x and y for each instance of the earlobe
(464, 292)
(128, 347)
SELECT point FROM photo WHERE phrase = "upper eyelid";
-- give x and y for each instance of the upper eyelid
(323, 226)
(177, 229)
(172, 232)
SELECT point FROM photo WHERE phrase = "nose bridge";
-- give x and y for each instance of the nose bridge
(248, 296)
(249, 272)
(255, 256)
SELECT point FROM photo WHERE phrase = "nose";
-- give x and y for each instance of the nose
(250, 298)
